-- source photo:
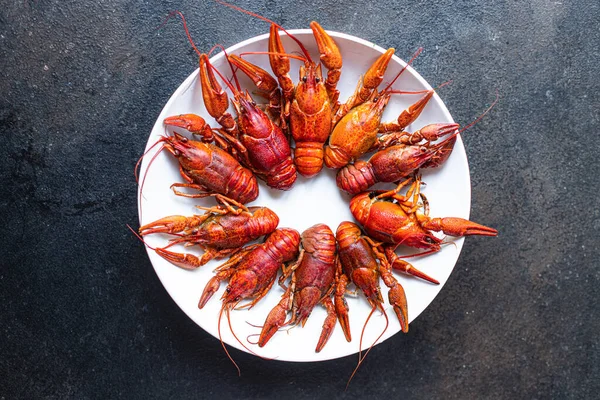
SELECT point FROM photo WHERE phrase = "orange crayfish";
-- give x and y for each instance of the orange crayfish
(313, 277)
(222, 230)
(251, 273)
(391, 218)
(356, 132)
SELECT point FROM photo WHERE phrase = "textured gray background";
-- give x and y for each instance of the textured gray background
(82, 313)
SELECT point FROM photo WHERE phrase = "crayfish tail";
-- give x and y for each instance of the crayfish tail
(284, 177)
(356, 178)
(335, 157)
(308, 157)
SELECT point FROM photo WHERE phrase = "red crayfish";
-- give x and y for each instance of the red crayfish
(358, 257)
(206, 167)
(395, 219)
(396, 162)
(253, 138)
(312, 282)
(251, 273)
(222, 230)
(311, 103)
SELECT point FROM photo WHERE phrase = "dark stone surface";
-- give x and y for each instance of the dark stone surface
(82, 312)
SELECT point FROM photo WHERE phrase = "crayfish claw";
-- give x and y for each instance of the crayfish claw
(274, 321)
(433, 132)
(341, 309)
(261, 78)
(211, 287)
(171, 224)
(330, 57)
(459, 227)
(183, 260)
(328, 325)
(406, 267)
(409, 115)
(374, 75)
(192, 123)
(329, 53)
(397, 298)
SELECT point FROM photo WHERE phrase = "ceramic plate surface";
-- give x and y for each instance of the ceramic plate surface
(310, 201)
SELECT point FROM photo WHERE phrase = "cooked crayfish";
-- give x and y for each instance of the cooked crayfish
(358, 256)
(389, 217)
(356, 132)
(258, 143)
(206, 167)
(222, 230)
(397, 162)
(313, 276)
(312, 105)
(251, 273)
(261, 144)
(309, 105)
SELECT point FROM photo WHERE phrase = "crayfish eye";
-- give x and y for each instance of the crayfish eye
(228, 290)
(254, 103)
(375, 99)
(423, 149)
(177, 153)
(304, 79)
(318, 80)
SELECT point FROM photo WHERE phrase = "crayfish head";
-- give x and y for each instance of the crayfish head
(176, 144)
(241, 285)
(423, 240)
(360, 206)
(311, 76)
(311, 93)
(251, 119)
(378, 103)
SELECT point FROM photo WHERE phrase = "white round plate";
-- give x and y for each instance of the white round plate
(309, 202)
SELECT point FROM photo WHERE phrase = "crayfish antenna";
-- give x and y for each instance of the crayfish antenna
(147, 169)
(223, 343)
(361, 359)
(187, 32)
(482, 115)
(249, 336)
(240, 342)
(389, 85)
(435, 89)
(140, 237)
(255, 15)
